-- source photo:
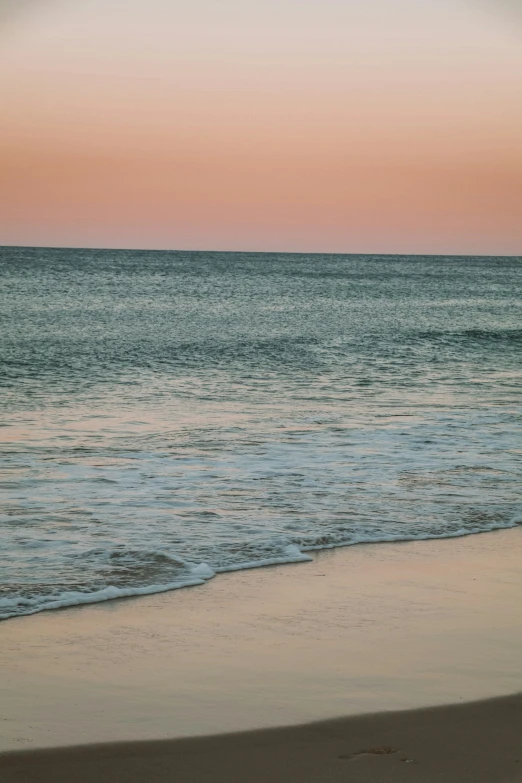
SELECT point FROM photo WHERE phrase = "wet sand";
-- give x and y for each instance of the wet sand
(360, 630)
(468, 743)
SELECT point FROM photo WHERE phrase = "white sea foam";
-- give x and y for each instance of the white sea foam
(292, 554)
(15, 607)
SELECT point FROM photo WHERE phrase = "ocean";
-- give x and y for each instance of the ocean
(166, 416)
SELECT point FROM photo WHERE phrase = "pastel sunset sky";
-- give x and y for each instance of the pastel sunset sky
(388, 126)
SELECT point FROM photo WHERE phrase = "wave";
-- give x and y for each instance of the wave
(18, 606)
(199, 574)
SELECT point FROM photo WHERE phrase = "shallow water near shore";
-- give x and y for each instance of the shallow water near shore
(169, 416)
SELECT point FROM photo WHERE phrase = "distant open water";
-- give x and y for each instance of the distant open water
(170, 415)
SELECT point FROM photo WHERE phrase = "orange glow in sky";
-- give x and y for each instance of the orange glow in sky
(307, 125)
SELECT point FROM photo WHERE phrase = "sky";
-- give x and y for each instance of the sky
(350, 126)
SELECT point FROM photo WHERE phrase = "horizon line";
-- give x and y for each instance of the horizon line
(257, 252)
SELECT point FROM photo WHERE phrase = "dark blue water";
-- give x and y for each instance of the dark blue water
(169, 415)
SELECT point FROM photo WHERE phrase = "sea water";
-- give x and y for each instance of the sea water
(169, 415)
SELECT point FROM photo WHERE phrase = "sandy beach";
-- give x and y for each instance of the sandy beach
(357, 632)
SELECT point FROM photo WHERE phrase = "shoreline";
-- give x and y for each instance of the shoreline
(358, 630)
(202, 573)
(477, 742)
